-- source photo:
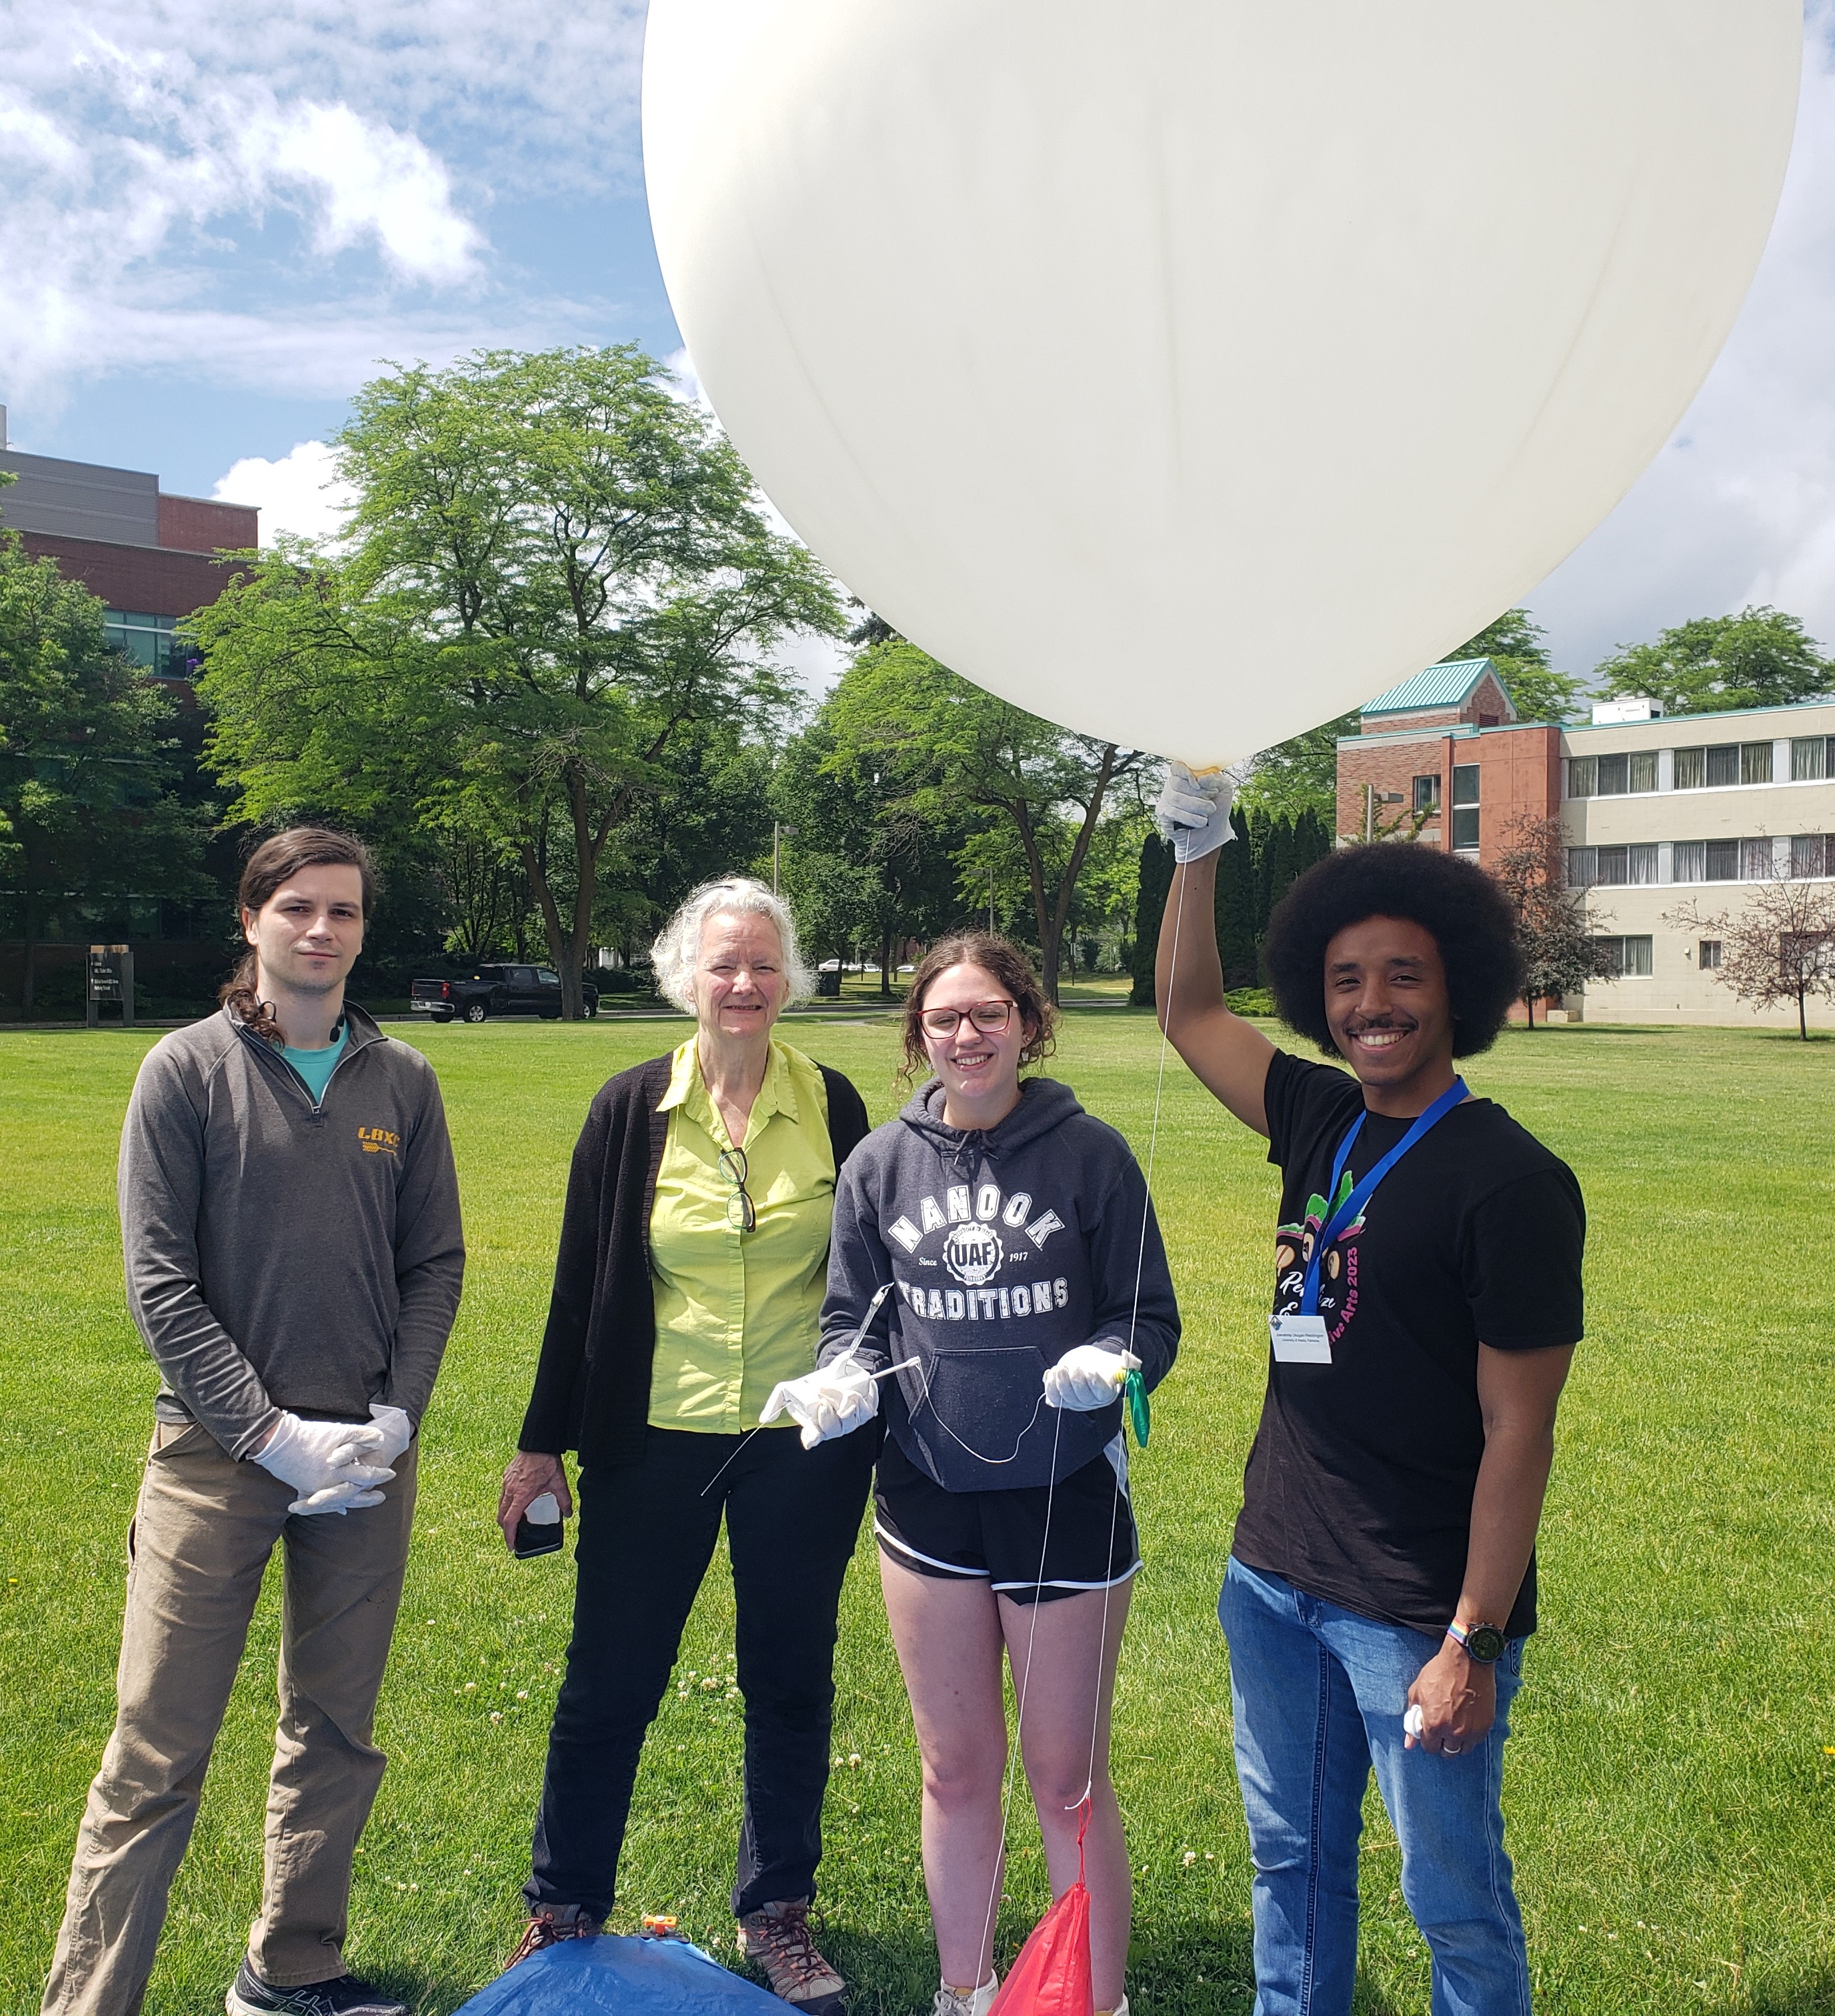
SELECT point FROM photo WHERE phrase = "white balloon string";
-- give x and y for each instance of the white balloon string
(1095, 1719)
(1023, 1679)
(1021, 1683)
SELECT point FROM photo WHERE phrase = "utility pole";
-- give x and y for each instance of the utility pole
(778, 834)
(990, 902)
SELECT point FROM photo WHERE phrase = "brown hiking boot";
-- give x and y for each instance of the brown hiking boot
(549, 1928)
(777, 1941)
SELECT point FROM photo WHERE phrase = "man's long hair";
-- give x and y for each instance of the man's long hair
(274, 863)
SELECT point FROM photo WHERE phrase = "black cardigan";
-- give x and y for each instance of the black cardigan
(592, 1385)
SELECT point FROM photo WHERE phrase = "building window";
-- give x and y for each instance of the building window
(1812, 757)
(1806, 952)
(1583, 867)
(1583, 776)
(1722, 861)
(1755, 762)
(1758, 861)
(1626, 958)
(149, 641)
(1812, 854)
(1691, 769)
(1465, 807)
(1723, 765)
(1617, 867)
(1710, 954)
(1427, 794)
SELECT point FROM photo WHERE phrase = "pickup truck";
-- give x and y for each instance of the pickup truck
(496, 990)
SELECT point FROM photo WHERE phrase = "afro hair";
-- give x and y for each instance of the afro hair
(1467, 914)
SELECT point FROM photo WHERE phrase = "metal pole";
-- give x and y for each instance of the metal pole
(776, 853)
(990, 902)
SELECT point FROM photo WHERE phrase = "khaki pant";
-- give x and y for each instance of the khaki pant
(203, 1532)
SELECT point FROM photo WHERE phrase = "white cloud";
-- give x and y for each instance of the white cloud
(299, 493)
(1741, 506)
(199, 184)
(372, 181)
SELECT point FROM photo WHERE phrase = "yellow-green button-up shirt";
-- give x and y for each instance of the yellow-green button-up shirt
(736, 1311)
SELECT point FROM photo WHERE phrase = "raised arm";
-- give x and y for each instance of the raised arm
(1229, 1057)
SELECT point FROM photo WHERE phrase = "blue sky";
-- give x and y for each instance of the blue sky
(215, 218)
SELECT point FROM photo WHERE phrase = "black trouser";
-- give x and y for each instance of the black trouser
(646, 1535)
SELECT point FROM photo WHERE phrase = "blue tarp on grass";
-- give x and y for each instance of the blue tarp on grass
(631, 1976)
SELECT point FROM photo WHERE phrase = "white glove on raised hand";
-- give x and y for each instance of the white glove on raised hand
(324, 1463)
(398, 1430)
(1193, 812)
(1088, 1376)
(834, 1400)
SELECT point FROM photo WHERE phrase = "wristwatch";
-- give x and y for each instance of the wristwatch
(1482, 1642)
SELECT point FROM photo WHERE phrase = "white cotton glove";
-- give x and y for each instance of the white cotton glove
(834, 1400)
(1088, 1376)
(1193, 812)
(324, 1461)
(398, 1430)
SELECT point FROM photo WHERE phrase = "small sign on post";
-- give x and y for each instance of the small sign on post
(111, 979)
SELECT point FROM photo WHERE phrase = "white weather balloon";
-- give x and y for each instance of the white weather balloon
(1187, 370)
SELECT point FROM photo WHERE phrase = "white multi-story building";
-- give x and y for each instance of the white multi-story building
(1657, 814)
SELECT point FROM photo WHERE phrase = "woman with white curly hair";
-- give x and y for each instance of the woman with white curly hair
(694, 1253)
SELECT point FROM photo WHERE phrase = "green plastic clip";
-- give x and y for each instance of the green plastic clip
(1138, 1412)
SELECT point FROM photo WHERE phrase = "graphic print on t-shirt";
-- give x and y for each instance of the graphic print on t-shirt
(1337, 1275)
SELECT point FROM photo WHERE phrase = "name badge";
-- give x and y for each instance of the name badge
(1299, 1340)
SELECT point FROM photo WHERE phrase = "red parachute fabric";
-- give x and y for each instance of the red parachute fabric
(1051, 1976)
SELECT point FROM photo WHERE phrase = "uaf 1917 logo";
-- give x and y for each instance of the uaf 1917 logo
(973, 1254)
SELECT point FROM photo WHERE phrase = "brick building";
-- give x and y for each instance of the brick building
(151, 557)
(1655, 813)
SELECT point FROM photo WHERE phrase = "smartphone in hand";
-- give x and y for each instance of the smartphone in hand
(540, 1530)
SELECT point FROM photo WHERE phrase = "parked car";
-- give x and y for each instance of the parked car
(496, 990)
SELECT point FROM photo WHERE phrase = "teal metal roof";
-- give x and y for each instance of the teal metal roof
(1447, 684)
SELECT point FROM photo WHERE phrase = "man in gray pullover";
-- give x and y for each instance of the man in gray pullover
(289, 1213)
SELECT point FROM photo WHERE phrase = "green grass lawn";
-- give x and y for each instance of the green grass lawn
(1671, 1789)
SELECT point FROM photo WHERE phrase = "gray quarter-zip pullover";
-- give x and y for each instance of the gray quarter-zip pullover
(281, 1252)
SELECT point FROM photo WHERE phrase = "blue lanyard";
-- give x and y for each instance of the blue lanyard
(1347, 1212)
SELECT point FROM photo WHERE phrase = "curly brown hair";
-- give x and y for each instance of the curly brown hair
(276, 861)
(1009, 966)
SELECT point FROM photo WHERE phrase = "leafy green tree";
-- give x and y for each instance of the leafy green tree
(555, 571)
(942, 746)
(1761, 658)
(1253, 872)
(1560, 952)
(1514, 645)
(90, 814)
(863, 865)
(1299, 776)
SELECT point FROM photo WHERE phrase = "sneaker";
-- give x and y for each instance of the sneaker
(777, 1941)
(251, 1996)
(977, 2002)
(1120, 2009)
(549, 1928)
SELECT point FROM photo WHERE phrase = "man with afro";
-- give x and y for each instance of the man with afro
(1427, 1301)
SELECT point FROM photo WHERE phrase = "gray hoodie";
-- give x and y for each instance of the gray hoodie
(1009, 1245)
(283, 1251)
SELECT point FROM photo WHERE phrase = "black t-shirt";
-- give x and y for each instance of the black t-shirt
(1359, 1485)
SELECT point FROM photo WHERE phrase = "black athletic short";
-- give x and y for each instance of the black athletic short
(996, 1536)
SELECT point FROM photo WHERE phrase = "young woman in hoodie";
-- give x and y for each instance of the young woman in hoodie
(1025, 1278)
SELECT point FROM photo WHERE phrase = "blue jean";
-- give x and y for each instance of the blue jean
(1319, 1693)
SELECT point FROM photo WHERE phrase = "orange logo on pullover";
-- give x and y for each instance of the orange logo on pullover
(378, 1141)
